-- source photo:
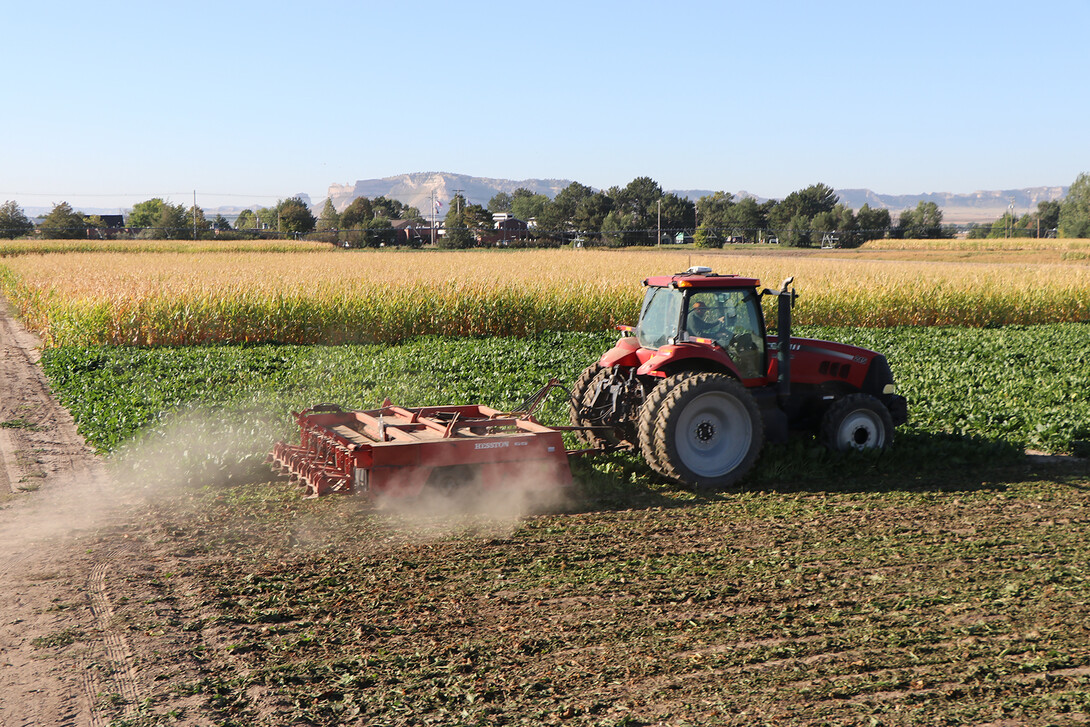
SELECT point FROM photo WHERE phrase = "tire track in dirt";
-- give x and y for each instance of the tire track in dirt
(122, 662)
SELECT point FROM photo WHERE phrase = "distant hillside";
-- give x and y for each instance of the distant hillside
(416, 190)
(984, 206)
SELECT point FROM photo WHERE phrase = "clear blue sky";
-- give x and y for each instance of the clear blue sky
(110, 103)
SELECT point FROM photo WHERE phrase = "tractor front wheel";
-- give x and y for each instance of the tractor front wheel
(858, 421)
(709, 431)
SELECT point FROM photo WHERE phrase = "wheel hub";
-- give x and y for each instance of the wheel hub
(860, 431)
(705, 431)
(861, 436)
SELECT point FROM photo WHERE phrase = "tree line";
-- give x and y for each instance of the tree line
(640, 213)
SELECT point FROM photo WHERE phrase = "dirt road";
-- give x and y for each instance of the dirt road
(64, 542)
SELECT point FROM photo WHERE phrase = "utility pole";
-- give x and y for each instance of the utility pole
(433, 216)
(458, 196)
(194, 214)
(659, 232)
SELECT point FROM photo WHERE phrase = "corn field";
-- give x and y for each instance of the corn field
(185, 297)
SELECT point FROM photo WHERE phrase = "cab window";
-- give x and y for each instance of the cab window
(732, 319)
(660, 317)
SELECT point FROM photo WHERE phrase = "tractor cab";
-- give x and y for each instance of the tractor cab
(723, 312)
(697, 320)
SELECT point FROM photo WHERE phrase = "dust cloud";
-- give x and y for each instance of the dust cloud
(469, 507)
(183, 453)
(199, 450)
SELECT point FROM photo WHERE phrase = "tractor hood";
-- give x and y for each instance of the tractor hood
(815, 361)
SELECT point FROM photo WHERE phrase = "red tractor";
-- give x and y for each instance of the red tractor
(699, 385)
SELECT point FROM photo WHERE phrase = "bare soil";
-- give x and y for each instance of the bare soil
(956, 600)
(68, 655)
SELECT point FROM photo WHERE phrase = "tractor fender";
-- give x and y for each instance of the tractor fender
(673, 358)
(623, 353)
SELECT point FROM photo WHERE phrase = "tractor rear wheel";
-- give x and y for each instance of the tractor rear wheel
(606, 399)
(648, 421)
(708, 431)
(858, 421)
(578, 393)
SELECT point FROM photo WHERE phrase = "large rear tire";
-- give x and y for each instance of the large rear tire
(858, 421)
(648, 424)
(578, 393)
(709, 431)
(609, 399)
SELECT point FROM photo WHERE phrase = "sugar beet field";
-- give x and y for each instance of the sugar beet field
(941, 582)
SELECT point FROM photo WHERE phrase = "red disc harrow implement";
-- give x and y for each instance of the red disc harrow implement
(400, 451)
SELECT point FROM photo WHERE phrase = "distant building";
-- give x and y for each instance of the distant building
(411, 233)
(507, 229)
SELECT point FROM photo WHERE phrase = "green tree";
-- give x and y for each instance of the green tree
(357, 214)
(637, 203)
(379, 232)
(395, 210)
(796, 232)
(622, 228)
(591, 212)
(922, 223)
(704, 238)
(13, 221)
(63, 223)
(713, 212)
(558, 217)
(329, 219)
(848, 226)
(174, 223)
(146, 214)
(96, 226)
(978, 231)
(500, 202)
(477, 219)
(456, 233)
(1010, 226)
(639, 196)
(678, 213)
(839, 223)
(526, 206)
(267, 219)
(873, 224)
(821, 224)
(1074, 218)
(294, 216)
(195, 220)
(247, 220)
(220, 223)
(745, 218)
(807, 202)
(1048, 216)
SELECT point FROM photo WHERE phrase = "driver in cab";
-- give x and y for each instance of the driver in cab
(705, 322)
